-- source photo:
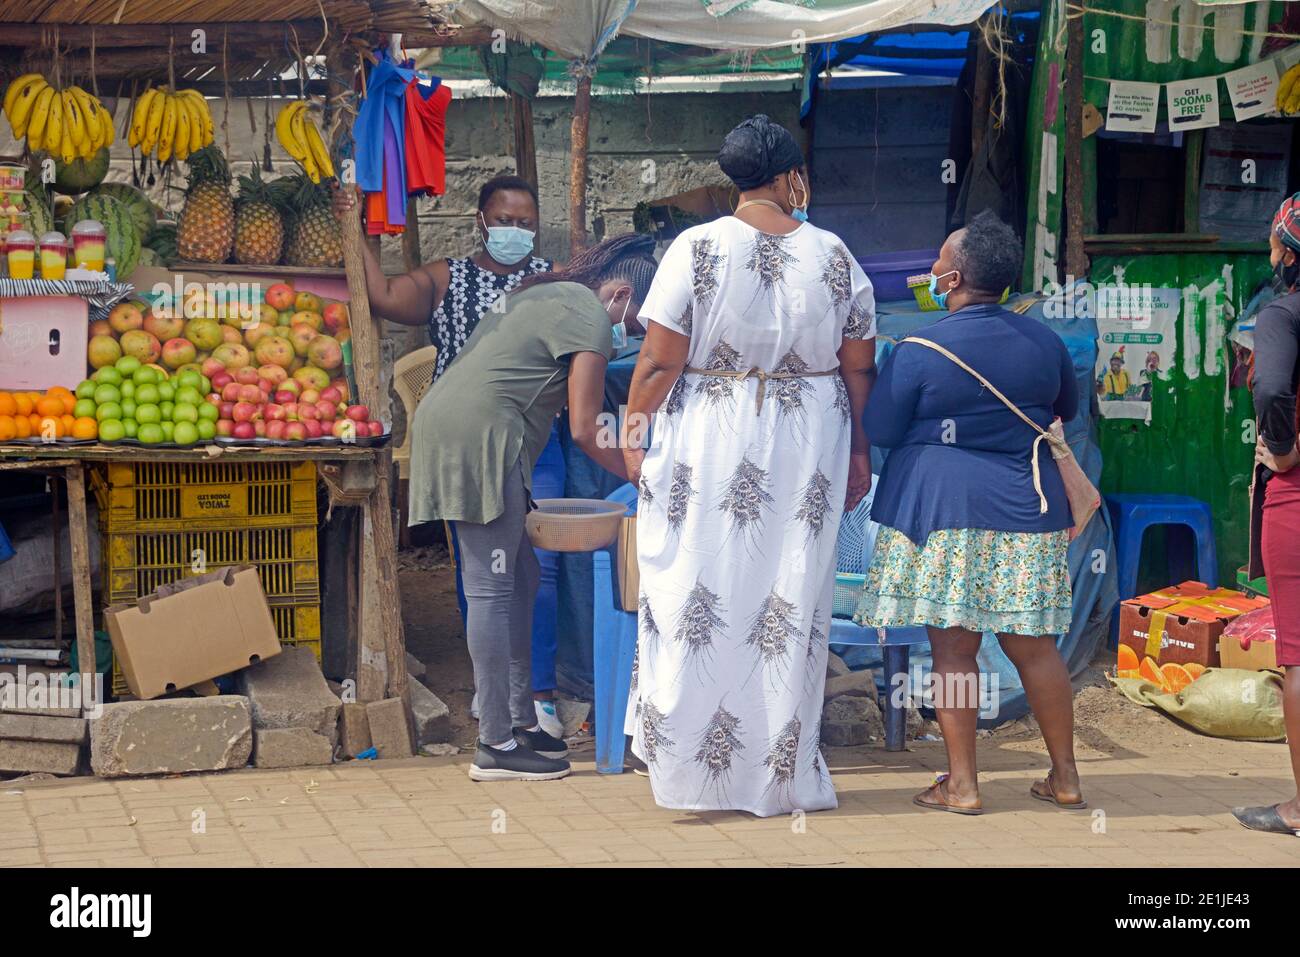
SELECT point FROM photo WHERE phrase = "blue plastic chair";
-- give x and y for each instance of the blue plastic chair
(614, 646)
(1132, 514)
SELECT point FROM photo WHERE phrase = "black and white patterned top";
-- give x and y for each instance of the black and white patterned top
(470, 293)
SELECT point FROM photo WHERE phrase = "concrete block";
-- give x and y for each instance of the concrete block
(390, 733)
(172, 735)
(354, 729)
(290, 748)
(860, 683)
(289, 691)
(414, 666)
(50, 757)
(35, 727)
(431, 717)
(843, 734)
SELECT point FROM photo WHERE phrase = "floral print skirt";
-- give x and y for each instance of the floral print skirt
(1004, 582)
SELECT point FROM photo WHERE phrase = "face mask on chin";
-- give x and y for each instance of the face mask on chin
(940, 298)
(799, 212)
(507, 245)
(619, 329)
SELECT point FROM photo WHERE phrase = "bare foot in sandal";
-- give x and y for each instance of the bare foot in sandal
(939, 797)
(1061, 789)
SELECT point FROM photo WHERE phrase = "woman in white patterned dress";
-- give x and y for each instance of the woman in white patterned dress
(758, 360)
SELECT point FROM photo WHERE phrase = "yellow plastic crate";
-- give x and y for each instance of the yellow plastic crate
(176, 496)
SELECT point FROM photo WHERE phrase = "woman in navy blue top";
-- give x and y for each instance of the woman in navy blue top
(973, 536)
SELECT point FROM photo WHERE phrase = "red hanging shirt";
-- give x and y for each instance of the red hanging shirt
(426, 124)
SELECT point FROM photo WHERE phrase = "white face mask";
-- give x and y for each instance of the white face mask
(620, 328)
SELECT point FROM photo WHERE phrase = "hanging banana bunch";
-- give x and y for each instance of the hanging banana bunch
(171, 125)
(302, 140)
(1288, 92)
(70, 123)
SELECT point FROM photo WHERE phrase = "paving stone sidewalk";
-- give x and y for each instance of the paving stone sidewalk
(1166, 809)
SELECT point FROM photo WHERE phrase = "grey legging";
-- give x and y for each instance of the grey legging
(501, 574)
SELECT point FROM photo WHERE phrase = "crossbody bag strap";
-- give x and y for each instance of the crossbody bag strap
(1042, 433)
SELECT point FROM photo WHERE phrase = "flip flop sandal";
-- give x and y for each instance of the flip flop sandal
(1051, 798)
(942, 804)
(1265, 819)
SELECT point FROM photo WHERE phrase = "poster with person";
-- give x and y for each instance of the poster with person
(1136, 338)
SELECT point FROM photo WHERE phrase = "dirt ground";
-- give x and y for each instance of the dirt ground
(1106, 723)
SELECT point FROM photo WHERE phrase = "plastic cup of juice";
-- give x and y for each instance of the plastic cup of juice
(12, 178)
(53, 250)
(20, 248)
(89, 241)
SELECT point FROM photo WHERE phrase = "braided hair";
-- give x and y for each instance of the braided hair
(629, 257)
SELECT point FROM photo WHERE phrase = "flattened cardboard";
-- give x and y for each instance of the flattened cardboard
(629, 572)
(192, 631)
(1183, 633)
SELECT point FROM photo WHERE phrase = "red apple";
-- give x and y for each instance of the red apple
(267, 386)
(230, 392)
(221, 380)
(290, 411)
(280, 296)
(227, 410)
(295, 431)
(259, 428)
(307, 411)
(275, 429)
(251, 394)
(376, 429)
(274, 373)
(336, 316)
(326, 411)
(244, 430)
(342, 385)
(244, 411)
(212, 368)
(331, 395)
(214, 398)
(358, 413)
(246, 375)
(310, 395)
(344, 429)
(273, 412)
(225, 426)
(314, 430)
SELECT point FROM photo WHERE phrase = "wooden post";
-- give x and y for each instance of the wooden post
(578, 167)
(381, 656)
(411, 238)
(981, 89)
(521, 108)
(57, 519)
(1076, 260)
(79, 534)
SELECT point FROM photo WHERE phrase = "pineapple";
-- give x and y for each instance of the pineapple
(207, 226)
(259, 227)
(314, 236)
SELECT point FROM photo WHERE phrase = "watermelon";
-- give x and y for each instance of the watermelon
(136, 203)
(42, 219)
(80, 175)
(123, 240)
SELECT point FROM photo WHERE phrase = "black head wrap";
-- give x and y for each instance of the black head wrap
(758, 150)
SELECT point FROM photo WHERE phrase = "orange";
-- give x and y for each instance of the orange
(69, 403)
(1151, 672)
(7, 404)
(51, 425)
(1194, 669)
(84, 428)
(22, 427)
(1177, 676)
(1127, 659)
(50, 405)
(58, 390)
(8, 430)
(35, 421)
(24, 403)
(68, 421)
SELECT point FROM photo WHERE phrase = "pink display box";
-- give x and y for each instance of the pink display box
(43, 342)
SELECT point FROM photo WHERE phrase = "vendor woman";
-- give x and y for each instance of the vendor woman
(1275, 495)
(451, 296)
(476, 437)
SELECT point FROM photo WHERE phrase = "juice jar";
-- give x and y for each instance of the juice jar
(54, 255)
(89, 241)
(12, 178)
(20, 248)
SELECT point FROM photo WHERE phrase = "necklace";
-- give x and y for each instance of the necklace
(757, 202)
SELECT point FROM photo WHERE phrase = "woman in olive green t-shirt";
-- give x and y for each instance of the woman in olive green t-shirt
(475, 439)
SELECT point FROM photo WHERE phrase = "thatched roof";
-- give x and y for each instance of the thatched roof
(393, 16)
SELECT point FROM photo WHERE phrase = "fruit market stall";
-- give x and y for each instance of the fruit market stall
(153, 352)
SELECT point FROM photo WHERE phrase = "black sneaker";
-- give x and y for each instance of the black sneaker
(544, 744)
(518, 764)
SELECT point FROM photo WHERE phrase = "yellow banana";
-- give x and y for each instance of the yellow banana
(300, 125)
(108, 126)
(194, 125)
(22, 108)
(39, 115)
(319, 152)
(140, 118)
(19, 87)
(89, 106)
(54, 131)
(167, 140)
(204, 116)
(153, 128)
(284, 131)
(182, 148)
(74, 124)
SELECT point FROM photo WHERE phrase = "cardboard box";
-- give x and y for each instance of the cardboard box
(1181, 624)
(196, 629)
(629, 572)
(1257, 656)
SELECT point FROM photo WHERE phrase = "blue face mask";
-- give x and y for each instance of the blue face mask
(940, 298)
(619, 330)
(800, 214)
(507, 244)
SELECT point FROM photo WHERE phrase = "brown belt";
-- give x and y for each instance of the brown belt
(762, 378)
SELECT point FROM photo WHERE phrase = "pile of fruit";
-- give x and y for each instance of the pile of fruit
(48, 416)
(277, 373)
(301, 139)
(132, 400)
(1170, 676)
(166, 123)
(70, 124)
